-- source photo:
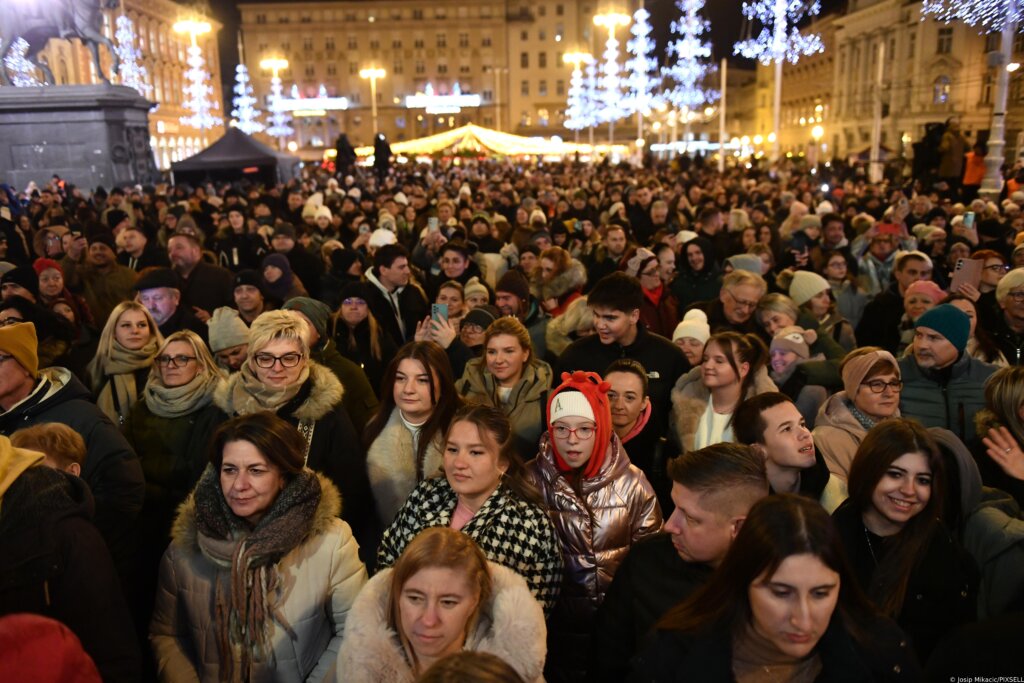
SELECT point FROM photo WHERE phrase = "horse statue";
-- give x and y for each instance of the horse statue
(38, 22)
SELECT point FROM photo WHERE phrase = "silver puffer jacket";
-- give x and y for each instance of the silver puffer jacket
(623, 509)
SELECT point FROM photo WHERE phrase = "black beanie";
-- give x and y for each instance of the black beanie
(24, 276)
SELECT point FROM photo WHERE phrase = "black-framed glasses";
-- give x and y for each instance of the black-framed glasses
(877, 386)
(1018, 297)
(998, 267)
(174, 361)
(267, 360)
(743, 303)
(653, 272)
(582, 433)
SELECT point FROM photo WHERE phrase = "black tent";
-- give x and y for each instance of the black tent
(236, 156)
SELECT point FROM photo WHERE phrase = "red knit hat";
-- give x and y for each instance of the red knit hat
(595, 390)
(42, 264)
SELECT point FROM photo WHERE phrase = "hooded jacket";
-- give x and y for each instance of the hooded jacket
(526, 404)
(111, 468)
(333, 447)
(511, 626)
(837, 434)
(318, 582)
(54, 563)
(566, 287)
(690, 399)
(691, 286)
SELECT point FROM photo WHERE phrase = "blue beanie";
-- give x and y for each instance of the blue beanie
(950, 322)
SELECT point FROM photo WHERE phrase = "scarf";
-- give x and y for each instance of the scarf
(250, 395)
(120, 393)
(171, 402)
(864, 421)
(246, 596)
(756, 660)
(654, 295)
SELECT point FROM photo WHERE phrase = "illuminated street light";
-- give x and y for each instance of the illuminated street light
(197, 89)
(279, 127)
(1012, 66)
(373, 73)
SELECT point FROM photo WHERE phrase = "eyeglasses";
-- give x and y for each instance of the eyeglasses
(288, 360)
(650, 273)
(582, 433)
(354, 301)
(877, 386)
(1018, 297)
(174, 361)
(740, 302)
(998, 267)
(4, 322)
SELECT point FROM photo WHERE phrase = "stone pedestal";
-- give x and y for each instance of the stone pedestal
(88, 134)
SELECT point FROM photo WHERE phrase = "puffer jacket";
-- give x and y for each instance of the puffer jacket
(948, 398)
(690, 400)
(566, 287)
(511, 626)
(526, 405)
(319, 580)
(837, 434)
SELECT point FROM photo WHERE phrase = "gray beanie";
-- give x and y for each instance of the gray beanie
(227, 329)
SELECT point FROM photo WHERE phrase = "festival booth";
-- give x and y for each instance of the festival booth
(237, 156)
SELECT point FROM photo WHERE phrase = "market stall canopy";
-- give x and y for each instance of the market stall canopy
(473, 138)
(236, 156)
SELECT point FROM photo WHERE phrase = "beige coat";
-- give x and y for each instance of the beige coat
(319, 581)
(690, 400)
(837, 434)
(391, 466)
(510, 627)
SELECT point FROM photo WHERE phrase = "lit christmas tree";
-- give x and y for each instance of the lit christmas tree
(611, 97)
(22, 71)
(198, 93)
(690, 67)
(130, 70)
(246, 115)
(642, 67)
(579, 112)
(279, 118)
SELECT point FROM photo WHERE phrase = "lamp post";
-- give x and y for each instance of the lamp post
(817, 133)
(611, 90)
(373, 73)
(279, 127)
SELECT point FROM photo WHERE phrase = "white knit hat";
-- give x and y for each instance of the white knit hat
(824, 207)
(382, 236)
(538, 215)
(323, 212)
(571, 404)
(694, 325)
(684, 236)
(805, 286)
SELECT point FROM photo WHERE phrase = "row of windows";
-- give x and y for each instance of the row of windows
(420, 67)
(542, 88)
(394, 14)
(352, 43)
(542, 34)
(542, 60)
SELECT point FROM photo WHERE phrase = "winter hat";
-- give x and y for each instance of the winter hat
(285, 230)
(900, 255)
(482, 316)
(317, 311)
(795, 339)
(1012, 280)
(809, 221)
(928, 288)
(400, 198)
(684, 236)
(805, 286)
(595, 391)
(114, 217)
(474, 286)
(540, 234)
(103, 238)
(857, 368)
(694, 325)
(37, 648)
(950, 322)
(747, 262)
(342, 260)
(23, 276)
(227, 329)
(356, 290)
(41, 264)
(640, 259)
(381, 237)
(824, 208)
(538, 215)
(514, 282)
(323, 212)
(248, 277)
(20, 341)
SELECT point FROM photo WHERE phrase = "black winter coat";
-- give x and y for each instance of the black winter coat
(240, 252)
(53, 562)
(880, 325)
(208, 287)
(412, 304)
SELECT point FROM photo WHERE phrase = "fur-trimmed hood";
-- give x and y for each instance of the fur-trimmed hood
(690, 400)
(571, 280)
(511, 626)
(184, 533)
(324, 393)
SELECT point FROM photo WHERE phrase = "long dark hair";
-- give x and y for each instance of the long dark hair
(777, 527)
(886, 442)
(443, 396)
(275, 438)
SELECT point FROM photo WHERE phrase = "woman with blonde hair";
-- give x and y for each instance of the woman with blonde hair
(575, 323)
(509, 377)
(441, 597)
(128, 344)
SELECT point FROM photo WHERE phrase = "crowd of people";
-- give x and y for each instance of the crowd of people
(474, 420)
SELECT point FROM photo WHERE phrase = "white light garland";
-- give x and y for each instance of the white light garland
(642, 66)
(130, 69)
(689, 68)
(246, 117)
(198, 93)
(779, 39)
(22, 71)
(986, 15)
(279, 118)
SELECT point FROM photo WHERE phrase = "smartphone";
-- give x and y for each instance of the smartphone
(432, 224)
(439, 312)
(969, 219)
(967, 271)
(364, 229)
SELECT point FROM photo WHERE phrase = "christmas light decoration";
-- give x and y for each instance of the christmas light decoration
(611, 96)
(780, 39)
(579, 110)
(130, 69)
(246, 115)
(689, 68)
(198, 93)
(279, 118)
(22, 71)
(641, 66)
(987, 16)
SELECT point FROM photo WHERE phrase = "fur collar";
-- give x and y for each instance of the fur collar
(326, 392)
(511, 627)
(184, 533)
(690, 399)
(572, 279)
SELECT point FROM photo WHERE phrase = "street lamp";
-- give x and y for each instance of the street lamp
(373, 73)
(817, 133)
(197, 89)
(612, 94)
(279, 127)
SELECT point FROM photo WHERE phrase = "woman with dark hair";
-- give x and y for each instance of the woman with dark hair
(404, 439)
(899, 550)
(979, 344)
(734, 367)
(558, 281)
(360, 337)
(261, 573)
(783, 606)
(441, 597)
(698, 277)
(279, 282)
(485, 495)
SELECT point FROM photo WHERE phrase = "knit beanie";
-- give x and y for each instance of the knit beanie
(482, 316)
(538, 216)
(595, 391)
(809, 221)
(805, 286)
(474, 286)
(747, 262)
(950, 322)
(1011, 281)
(636, 264)
(41, 264)
(927, 288)
(323, 212)
(226, 329)
(514, 282)
(317, 311)
(23, 276)
(19, 340)
(857, 368)
(381, 237)
(795, 339)
(900, 255)
(824, 208)
(694, 325)
(684, 236)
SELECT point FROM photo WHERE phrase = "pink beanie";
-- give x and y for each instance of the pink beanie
(928, 289)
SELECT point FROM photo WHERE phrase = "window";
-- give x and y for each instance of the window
(940, 90)
(559, 10)
(542, 35)
(524, 35)
(397, 68)
(524, 60)
(986, 88)
(486, 42)
(310, 71)
(418, 44)
(442, 40)
(945, 41)
(558, 57)
(542, 60)
(1018, 43)
(329, 44)
(992, 41)
(352, 69)
(912, 45)
(421, 68)
(442, 68)
(332, 69)
(374, 44)
(261, 18)
(353, 44)
(463, 40)
(440, 13)
(283, 19)
(542, 89)
(559, 87)
(542, 10)
(417, 14)
(464, 69)
(307, 44)
(487, 96)
(524, 88)
(396, 45)
(542, 117)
